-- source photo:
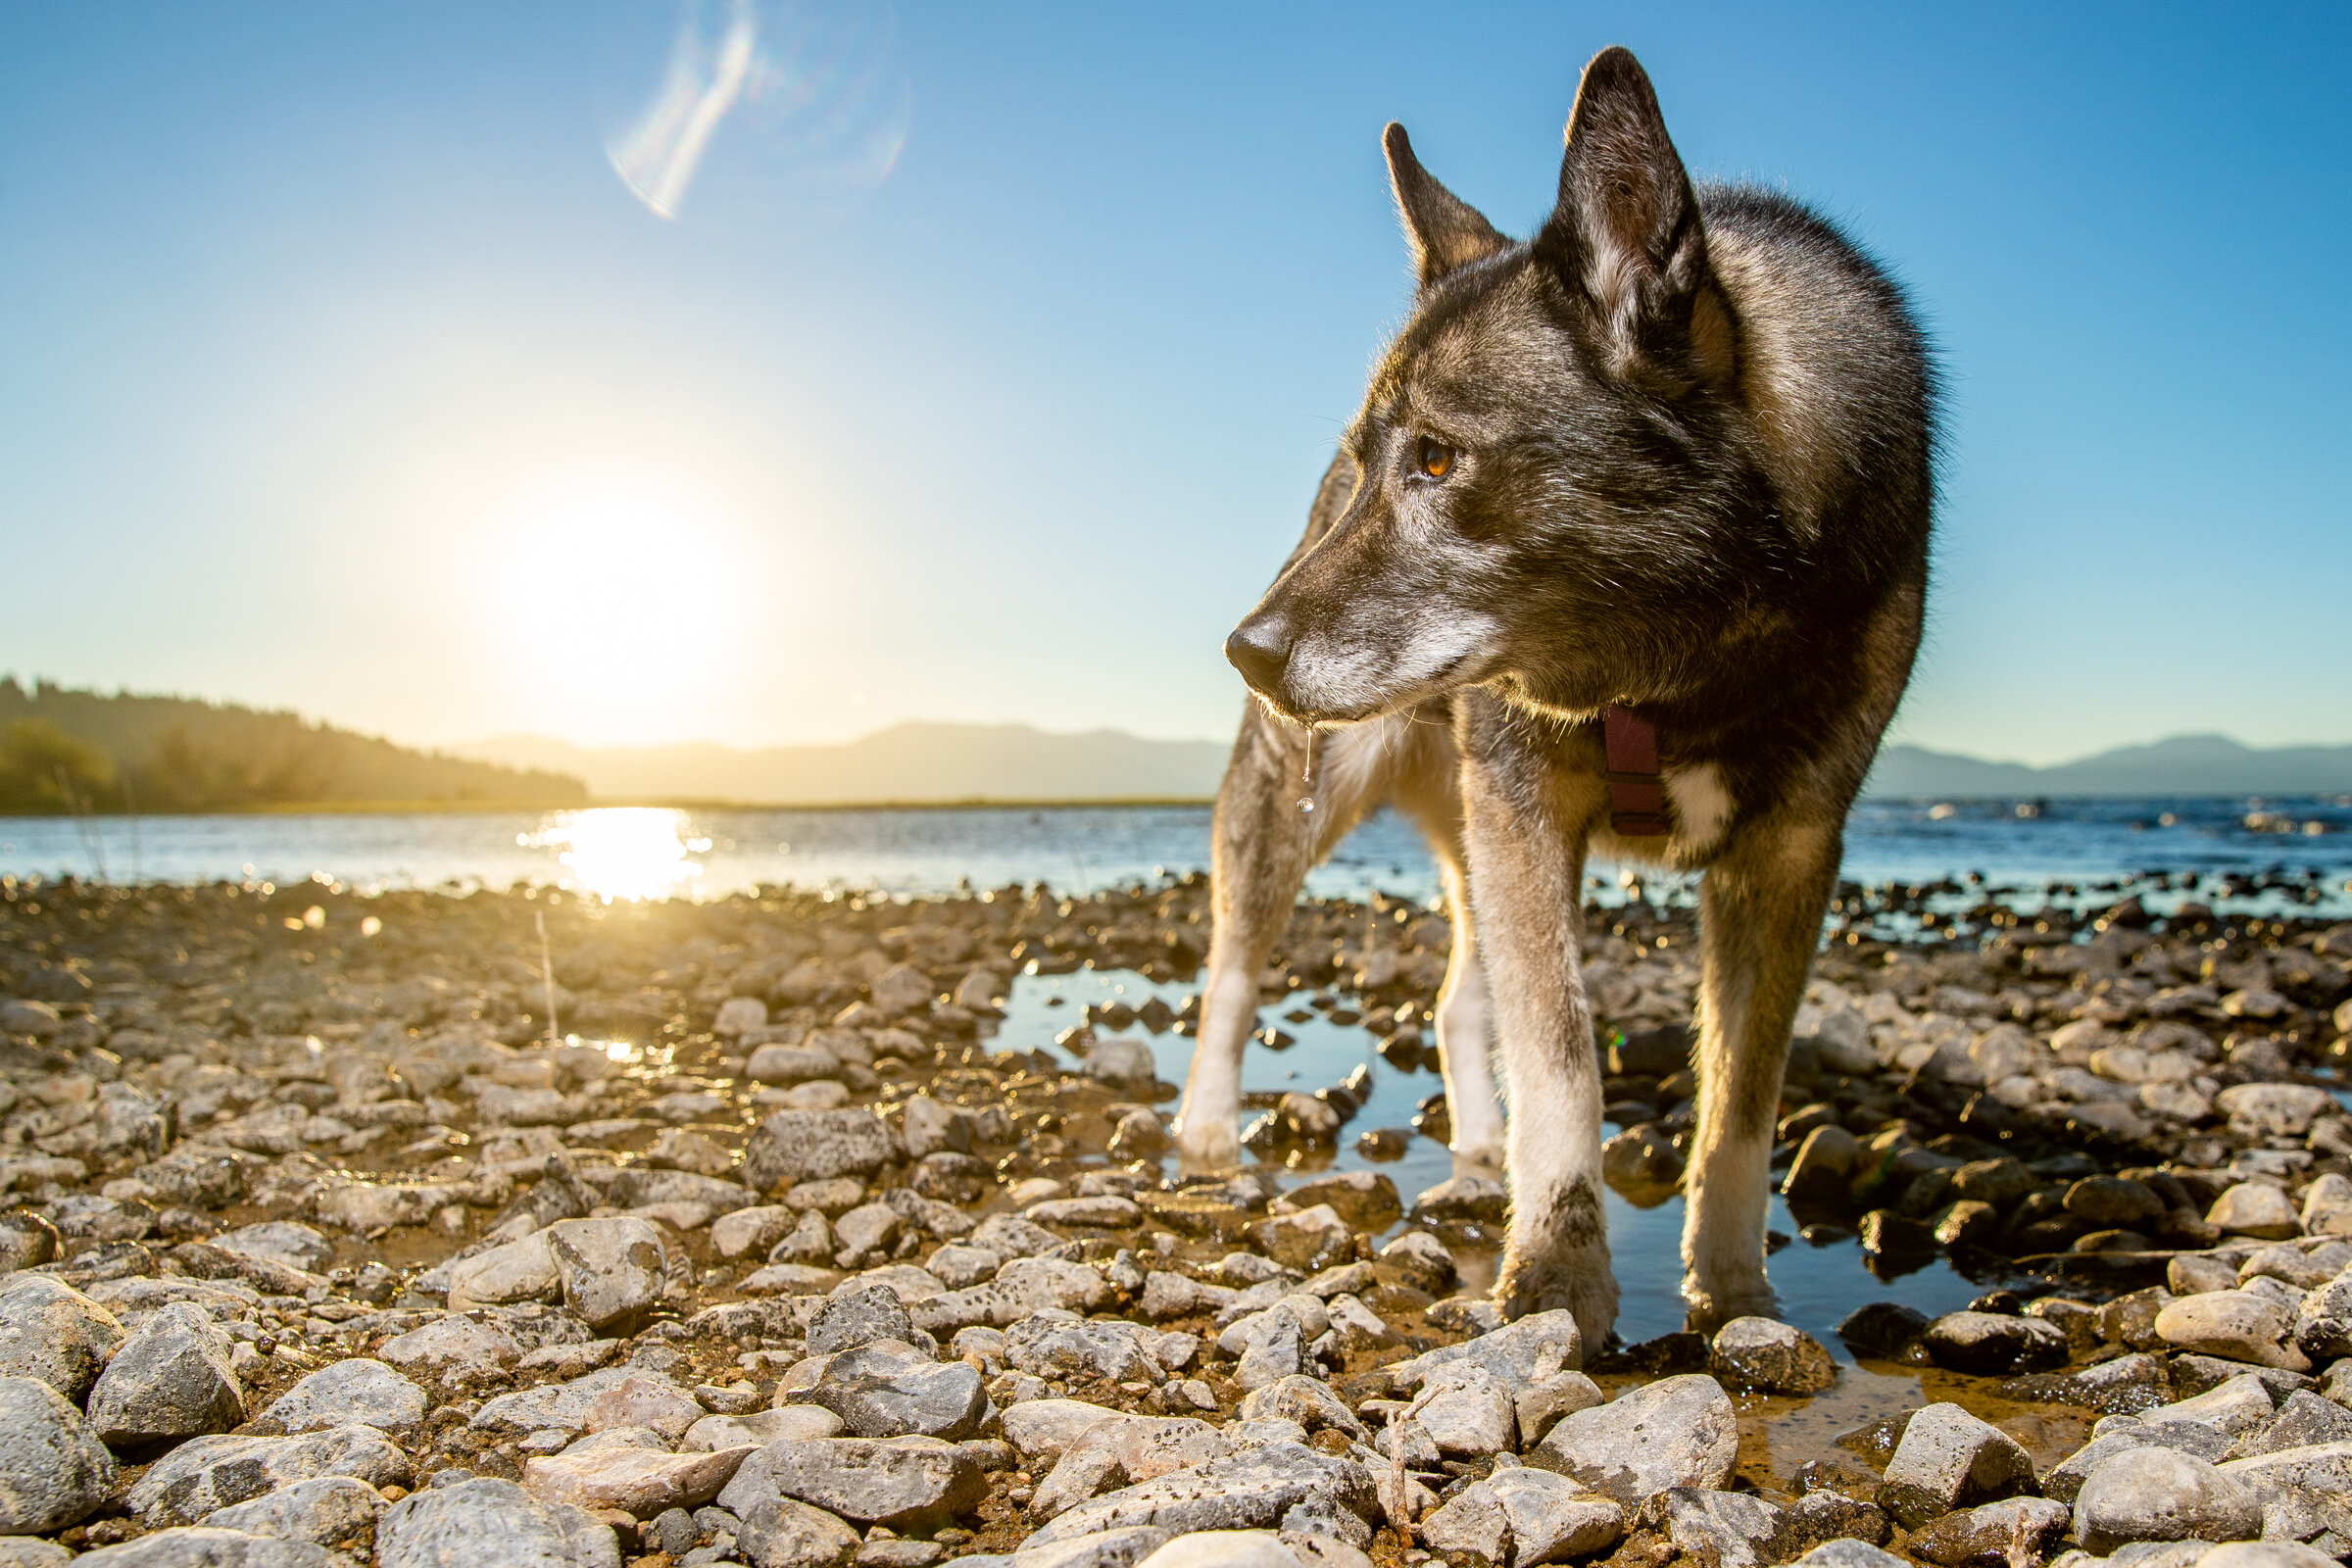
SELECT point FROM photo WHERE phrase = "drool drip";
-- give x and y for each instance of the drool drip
(1306, 801)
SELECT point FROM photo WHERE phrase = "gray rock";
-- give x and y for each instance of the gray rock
(1676, 1431)
(1757, 1352)
(799, 1145)
(1522, 1353)
(2265, 1554)
(2066, 1478)
(560, 1405)
(2306, 1419)
(281, 1241)
(2303, 1490)
(331, 1510)
(1107, 1548)
(897, 1482)
(2236, 1325)
(1273, 1348)
(213, 1548)
(2158, 1494)
(1255, 1489)
(1949, 1459)
(1723, 1529)
(206, 1474)
(31, 1552)
(780, 1533)
(1310, 1401)
(2323, 1328)
(452, 1345)
(2236, 1406)
(1520, 1515)
(361, 1390)
(1989, 1536)
(613, 1270)
(859, 1317)
(1849, 1555)
(170, 1380)
(50, 1330)
(1060, 1344)
(1469, 1412)
(519, 1271)
(1994, 1345)
(53, 1469)
(891, 1390)
(484, 1523)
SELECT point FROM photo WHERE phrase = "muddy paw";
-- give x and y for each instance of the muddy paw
(1206, 1145)
(1589, 1291)
(1711, 1310)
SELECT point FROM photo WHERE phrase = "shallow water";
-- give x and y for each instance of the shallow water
(637, 851)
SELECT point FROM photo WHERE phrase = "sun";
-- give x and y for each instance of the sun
(622, 608)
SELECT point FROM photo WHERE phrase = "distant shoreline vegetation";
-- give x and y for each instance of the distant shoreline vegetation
(70, 751)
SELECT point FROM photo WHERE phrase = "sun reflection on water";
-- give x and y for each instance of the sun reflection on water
(625, 852)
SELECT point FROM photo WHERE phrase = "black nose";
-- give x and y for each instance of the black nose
(1260, 647)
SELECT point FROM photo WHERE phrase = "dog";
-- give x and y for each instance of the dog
(1625, 553)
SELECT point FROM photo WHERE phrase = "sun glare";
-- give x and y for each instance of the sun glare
(625, 852)
(624, 609)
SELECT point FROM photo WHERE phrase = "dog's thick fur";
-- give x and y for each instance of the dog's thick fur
(1675, 452)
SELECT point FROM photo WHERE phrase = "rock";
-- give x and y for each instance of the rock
(1109, 1211)
(1992, 1536)
(210, 1547)
(636, 1481)
(209, 1473)
(2328, 1207)
(2237, 1325)
(360, 1389)
(31, 1552)
(752, 1230)
(2235, 1407)
(1469, 1412)
(1726, 1529)
(1757, 1352)
(330, 1511)
(2262, 1555)
(2273, 1110)
(1254, 1490)
(1849, 1555)
(2114, 1203)
(2158, 1494)
(1677, 1432)
(1540, 1404)
(1520, 1353)
(859, 1317)
(2303, 1490)
(518, 1271)
(783, 1532)
(739, 1015)
(1217, 1549)
(1464, 1199)
(1994, 1345)
(613, 1270)
(887, 1389)
(1521, 1515)
(898, 1483)
(1824, 1167)
(2304, 1421)
(2254, 1209)
(800, 1146)
(2322, 1327)
(170, 1380)
(799, 1423)
(1310, 1401)
(2193, 1274)
(1053, 1344)
(644, 1402)
(2065, 1479)
(1366, 1200)
(1422, 1258)
(450, 1344)
(1824, 1515)
(1882, 1329)
(490, 1524)
(50, 1330)
(1118, 1059)
(53, 1469)
(1949, 1459)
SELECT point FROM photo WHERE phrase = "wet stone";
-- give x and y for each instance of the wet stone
(1994, 1534)
(1993, 1345)
(1758, 1353)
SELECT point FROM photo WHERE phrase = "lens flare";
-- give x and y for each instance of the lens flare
(624, 852)
(811, 98)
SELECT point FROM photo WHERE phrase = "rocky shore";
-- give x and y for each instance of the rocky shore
(787, 1251)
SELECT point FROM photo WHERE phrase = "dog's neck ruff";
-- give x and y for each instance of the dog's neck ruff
(1636, 792)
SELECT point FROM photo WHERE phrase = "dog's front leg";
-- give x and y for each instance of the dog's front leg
(1259, 853)
(1760, 909)
(1526, 830)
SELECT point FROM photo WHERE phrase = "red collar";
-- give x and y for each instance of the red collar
(1636, 793)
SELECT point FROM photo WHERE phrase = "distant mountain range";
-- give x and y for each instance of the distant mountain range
(940, 763)
(2185, 765)
(910, 763)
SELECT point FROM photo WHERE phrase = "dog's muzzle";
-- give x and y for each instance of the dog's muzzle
(1261, 649)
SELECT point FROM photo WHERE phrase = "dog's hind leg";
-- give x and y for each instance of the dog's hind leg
(1760, 909)
(1525, 833)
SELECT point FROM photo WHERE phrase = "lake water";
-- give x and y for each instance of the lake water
(635, 852)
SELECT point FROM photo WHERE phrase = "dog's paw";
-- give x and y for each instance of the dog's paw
(1584, 1288)
(1711, 1310)
(1203, 1146)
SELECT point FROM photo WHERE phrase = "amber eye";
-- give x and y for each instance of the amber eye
(1435, 458)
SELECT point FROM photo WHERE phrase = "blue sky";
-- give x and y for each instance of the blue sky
(344, 372)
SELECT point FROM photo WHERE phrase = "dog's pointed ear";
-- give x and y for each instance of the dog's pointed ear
(1444, 232)
(1626, 237)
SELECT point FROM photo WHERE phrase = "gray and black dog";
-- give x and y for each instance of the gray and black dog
(1670, 462)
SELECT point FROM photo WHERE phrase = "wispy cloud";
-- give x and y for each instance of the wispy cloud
(657, 159)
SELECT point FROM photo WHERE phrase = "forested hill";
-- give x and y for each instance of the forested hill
(177, 753)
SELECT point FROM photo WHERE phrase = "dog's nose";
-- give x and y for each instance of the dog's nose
(1261, 649)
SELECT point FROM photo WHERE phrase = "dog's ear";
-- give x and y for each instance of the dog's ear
(1626, 237)
(1444, 232)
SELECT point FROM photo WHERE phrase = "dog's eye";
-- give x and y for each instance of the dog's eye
(1435, 458)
